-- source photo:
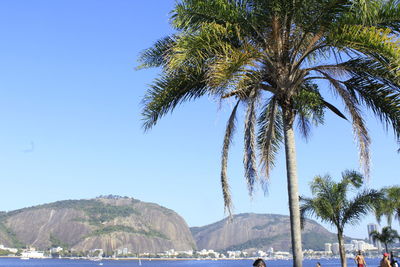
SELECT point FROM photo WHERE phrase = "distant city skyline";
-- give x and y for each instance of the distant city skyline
(70, 110)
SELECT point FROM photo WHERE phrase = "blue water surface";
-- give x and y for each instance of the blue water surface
(16, 262)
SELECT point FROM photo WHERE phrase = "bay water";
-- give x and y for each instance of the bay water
(16, 262)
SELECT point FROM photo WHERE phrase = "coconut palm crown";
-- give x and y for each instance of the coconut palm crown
(388, 236)
(390, 204)
(278, 59)
(331, 203)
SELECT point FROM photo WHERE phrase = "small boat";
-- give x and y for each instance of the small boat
(24, 258)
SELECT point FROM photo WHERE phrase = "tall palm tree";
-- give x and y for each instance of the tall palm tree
(331, 203)
(387, 236)
(275, 58)
(390, 204)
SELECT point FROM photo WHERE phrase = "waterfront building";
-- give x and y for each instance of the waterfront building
(282, 255)
(32, 254)
(234, 254)
(328, 247)
(362, 245)
(335, 248)
(349, 247)
(56, 250)
(261, 254)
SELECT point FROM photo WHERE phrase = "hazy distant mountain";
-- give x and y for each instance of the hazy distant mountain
(106, 222)
(115, 222)
(251, 231)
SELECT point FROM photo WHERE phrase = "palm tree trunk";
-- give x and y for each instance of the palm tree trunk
(342, 252)
(293, 193)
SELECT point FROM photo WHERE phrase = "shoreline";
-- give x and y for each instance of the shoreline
(166, 259)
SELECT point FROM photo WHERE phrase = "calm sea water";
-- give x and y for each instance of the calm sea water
(159, 263)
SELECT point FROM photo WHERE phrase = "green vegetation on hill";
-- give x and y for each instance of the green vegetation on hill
(126, 229)
(101, 212)
(275, 221)
(254, 243)
(97, 211)
(55, 242)
(11, 235)
(315, 241)
(4, 252)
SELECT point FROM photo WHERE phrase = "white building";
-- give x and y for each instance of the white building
(328, 247)
(261, 254)
(171, 253)
(56, 250)
(234, 254)
(186, 252)
(282, 255)
(32, 254)
(335, 248)
(349, 247)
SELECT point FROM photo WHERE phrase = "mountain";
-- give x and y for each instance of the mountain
(108, 223)
(249, 231)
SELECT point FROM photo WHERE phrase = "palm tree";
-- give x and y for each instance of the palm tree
(269, 56)
(390, 204)
(332, 205)
(387, 237)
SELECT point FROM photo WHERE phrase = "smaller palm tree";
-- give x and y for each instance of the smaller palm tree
(390, 204)
(331, 203)
(387, 236)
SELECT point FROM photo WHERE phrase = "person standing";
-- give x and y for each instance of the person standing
(392, 260)
(385, 260)
(259, 263)
(360, 261)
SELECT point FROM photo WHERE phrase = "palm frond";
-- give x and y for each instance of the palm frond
(360, 206)
(389, 206)
(309, 105)
(374, 42)
(389, 15)
(384, 101)
(359, 128)
(249, 159)
(334, 109)
(386, 236)
(195, 49)
(373, 84)
(167, 92)
(230, 129)
(270, 135)
(320, 207)
(306, 209)
(232, 66)
(383, 14)
(156, 56)
(352, 177)
(191, 14)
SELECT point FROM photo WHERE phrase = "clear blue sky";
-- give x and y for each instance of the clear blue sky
(68, 86)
